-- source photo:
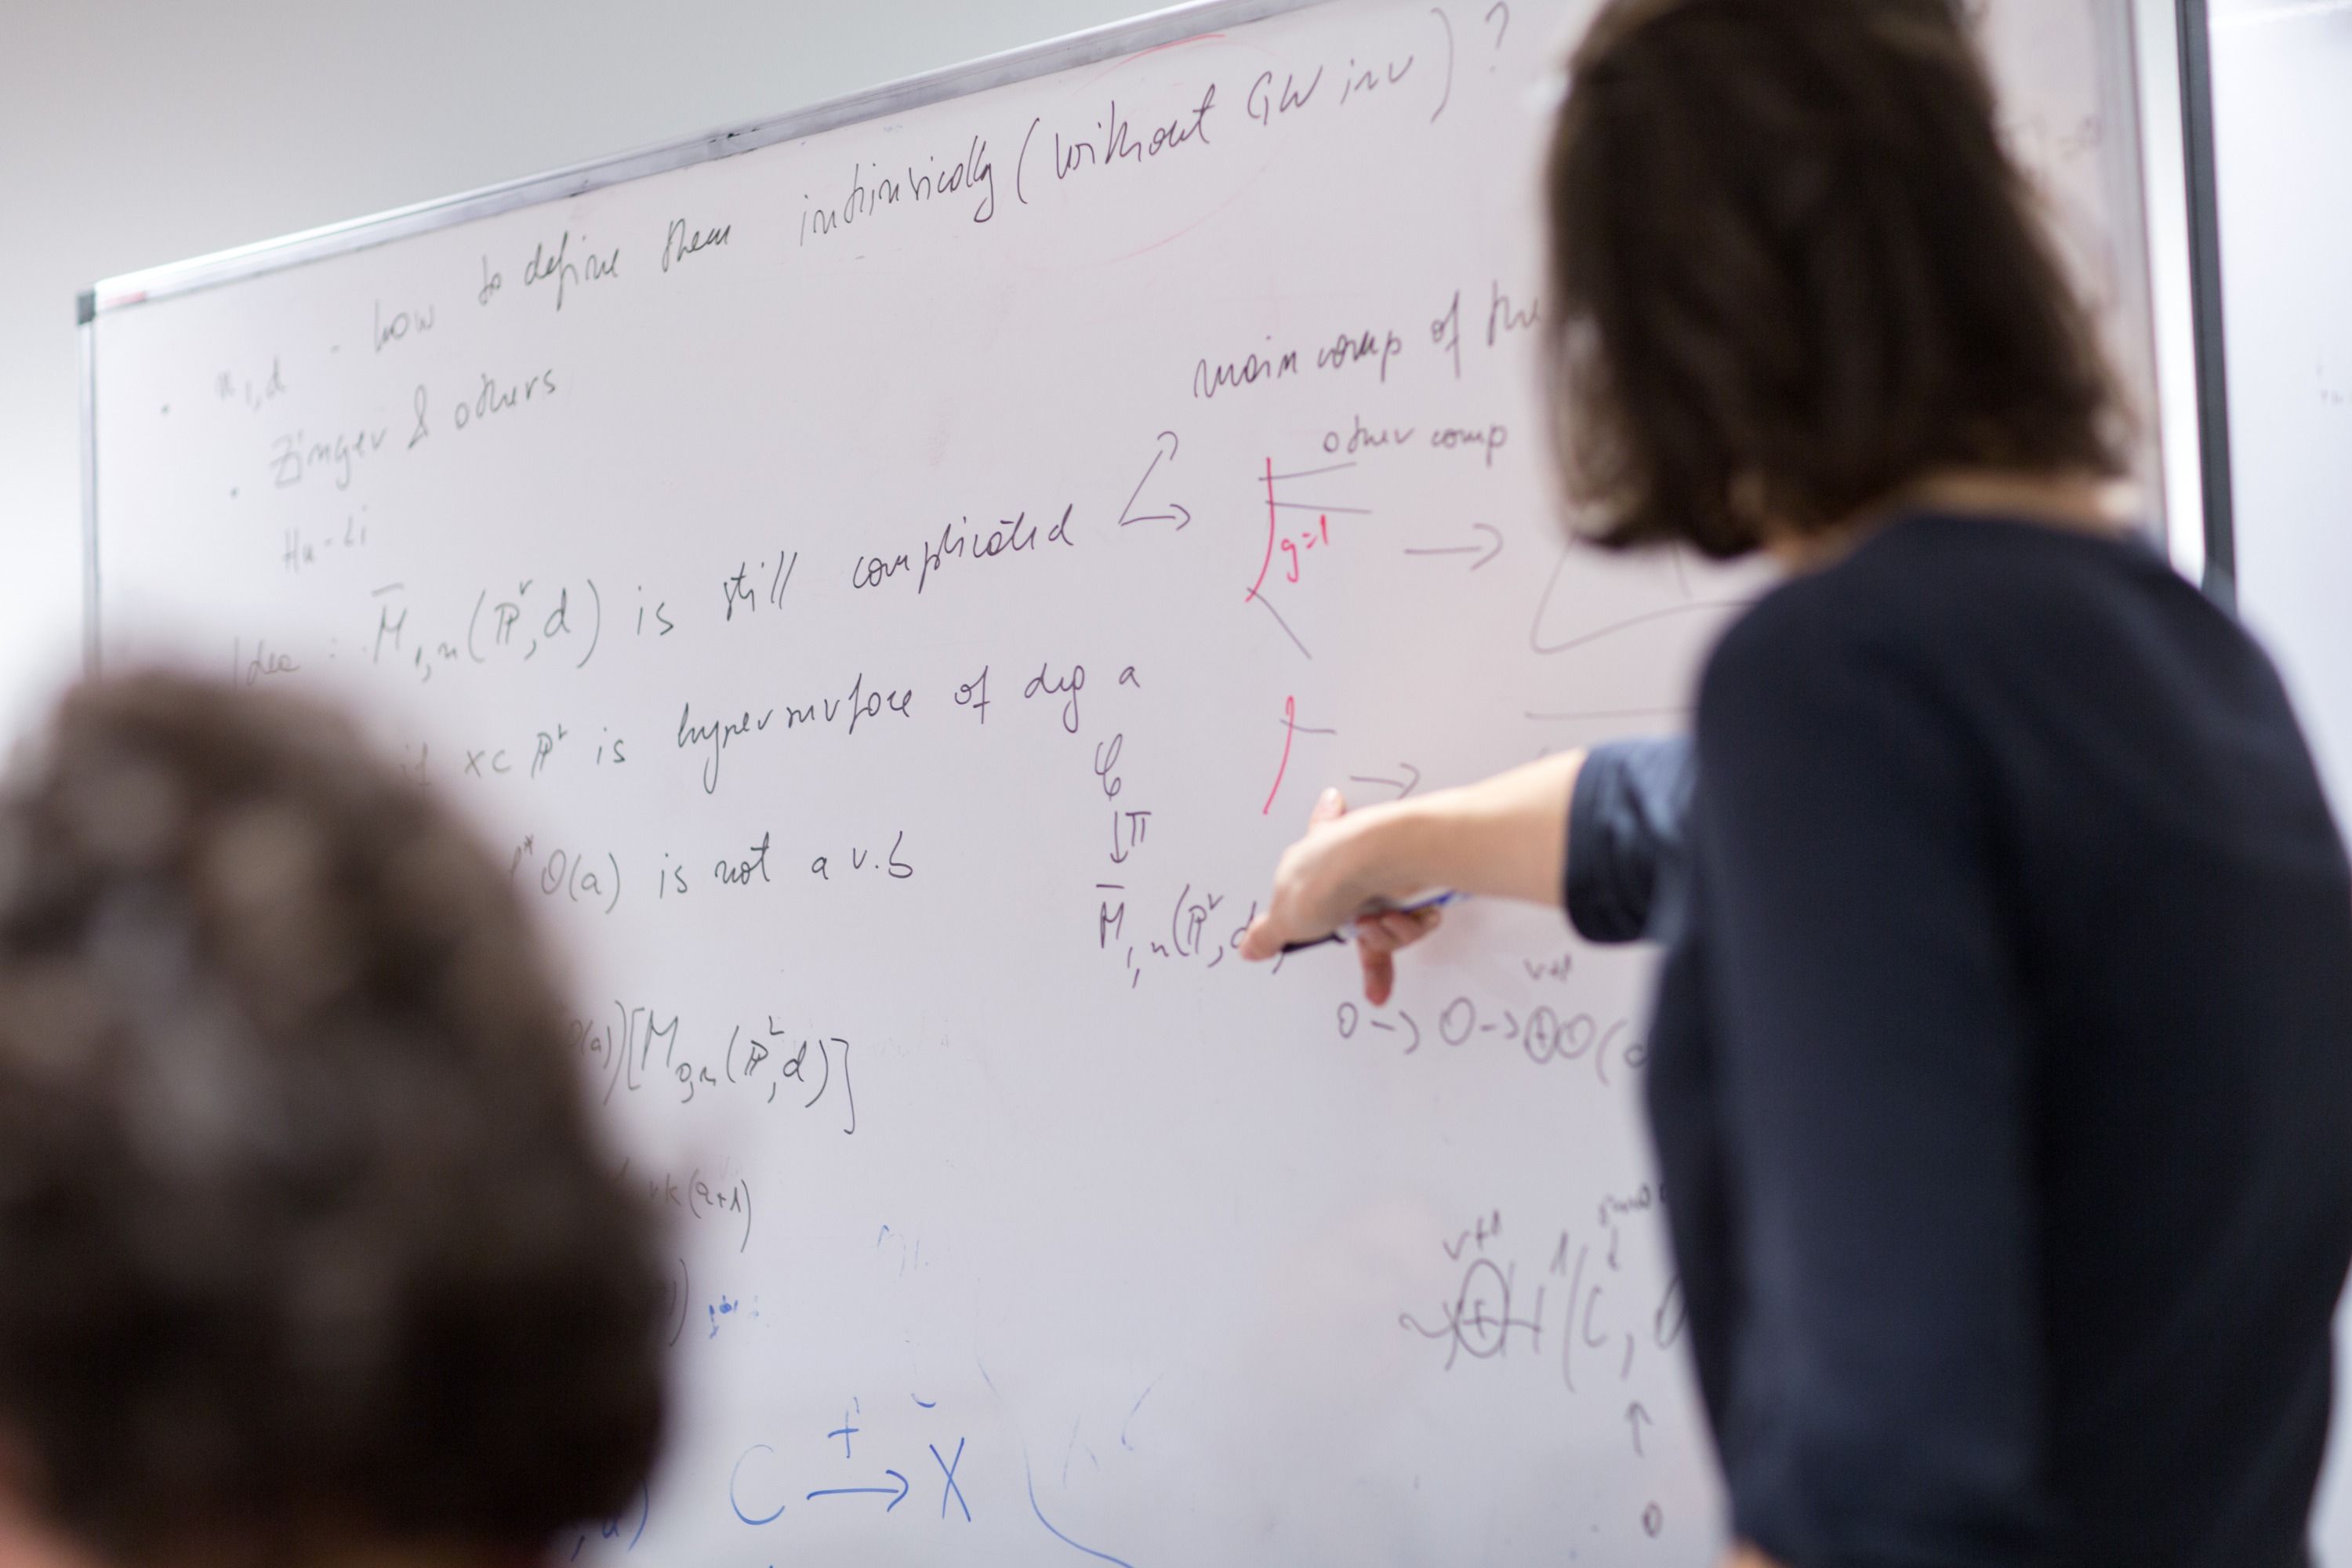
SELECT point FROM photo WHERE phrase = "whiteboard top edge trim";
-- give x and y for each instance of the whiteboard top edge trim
(1151, 29)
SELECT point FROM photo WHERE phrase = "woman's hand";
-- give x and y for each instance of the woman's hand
(1505, 837)
(1325, 881)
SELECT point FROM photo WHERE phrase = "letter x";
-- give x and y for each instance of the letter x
(948, 1468)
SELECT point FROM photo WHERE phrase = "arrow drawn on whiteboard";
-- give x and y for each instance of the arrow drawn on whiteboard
(1402, 786)
(1181, 516)
(1485, 552)
(897, 1494)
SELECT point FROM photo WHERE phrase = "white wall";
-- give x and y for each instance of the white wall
(2283, 130)
(133, 134)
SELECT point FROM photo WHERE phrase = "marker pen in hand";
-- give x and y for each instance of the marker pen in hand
(1437, 902)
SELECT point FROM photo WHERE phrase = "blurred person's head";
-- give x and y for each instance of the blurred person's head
(1796, 273)
(309, 1251)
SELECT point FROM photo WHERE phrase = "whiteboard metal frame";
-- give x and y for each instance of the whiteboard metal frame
(2164, 178)
(2194, 31)
(1153, 29)
(1171, 25)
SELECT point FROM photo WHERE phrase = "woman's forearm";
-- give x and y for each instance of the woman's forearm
(1505, 837)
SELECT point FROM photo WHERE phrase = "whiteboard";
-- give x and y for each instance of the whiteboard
(889, 593)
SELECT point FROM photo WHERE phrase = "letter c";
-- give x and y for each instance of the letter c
(737, 1507)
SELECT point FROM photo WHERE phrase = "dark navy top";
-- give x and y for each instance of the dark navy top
(2001, 1067)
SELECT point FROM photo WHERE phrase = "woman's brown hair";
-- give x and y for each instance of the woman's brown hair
(1796, 272)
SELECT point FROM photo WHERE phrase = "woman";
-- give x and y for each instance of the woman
(309, 1253)
(2001, 1063)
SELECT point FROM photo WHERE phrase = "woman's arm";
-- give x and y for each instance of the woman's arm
(1598, 833)
(1505, 837)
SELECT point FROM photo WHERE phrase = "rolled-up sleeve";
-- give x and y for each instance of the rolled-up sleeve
(1626, 839)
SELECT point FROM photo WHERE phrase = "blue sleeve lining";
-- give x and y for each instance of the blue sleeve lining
(1626, 839)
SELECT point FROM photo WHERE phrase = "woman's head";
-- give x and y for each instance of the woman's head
(306, 1237)
(1796, 272)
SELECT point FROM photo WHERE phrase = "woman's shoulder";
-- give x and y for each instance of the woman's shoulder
(1943, 591)
(2057, 651)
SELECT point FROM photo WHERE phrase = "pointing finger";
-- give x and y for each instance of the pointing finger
(1259, 942)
